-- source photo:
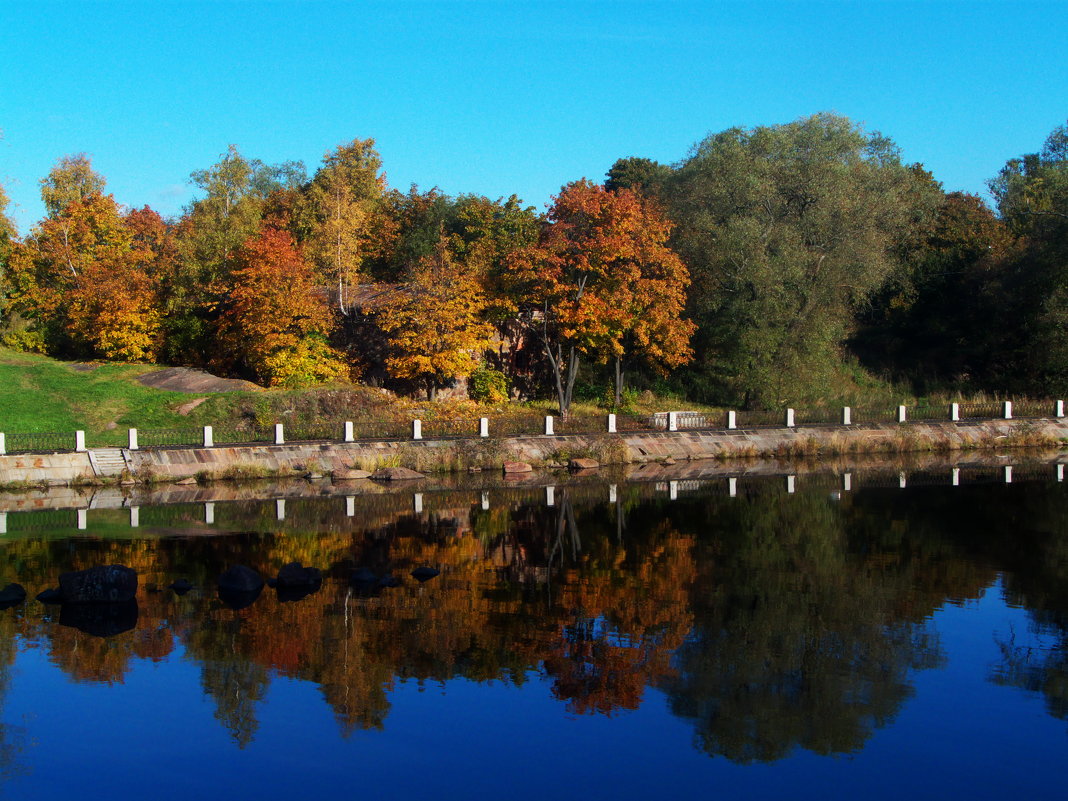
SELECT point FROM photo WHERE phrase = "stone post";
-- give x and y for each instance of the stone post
(732, 419)
(673, 421)
(133, 439)
(611, 424)
(483, 427)
(280, 509)
(79, 441)
(417, 429)
(350, 435)
(350, 506)
(279, 434)
(902, 414)
(135, 516)
(847, 482)
(417, 503)
(3, 522)
(548, 425)
(673, 490)
(1058, 409)
(550, 496)
(732, 487)
(209, 513)
(847, 416)
(789, 418)
(3, 444)
(790, 484)
(209, 437)
(83, 519)
(1006, 410)
(954, 412)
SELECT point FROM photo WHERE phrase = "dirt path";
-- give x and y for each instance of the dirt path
(186, 379)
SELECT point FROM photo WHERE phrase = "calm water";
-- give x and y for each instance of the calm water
(876, 643)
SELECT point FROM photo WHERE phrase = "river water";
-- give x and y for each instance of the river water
(882, 636)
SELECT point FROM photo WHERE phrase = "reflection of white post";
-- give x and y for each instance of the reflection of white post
(79, 441)
(280, 509)
(83, 519)
(209, 513)
(956, 477)
(732, 486)
(790, 484)
(1006, 410)
(485, 502)
(135, 516)
(847, 482)
(1058, 409)
(954, 412)
(550, 496)
(133, 439)
(847, 416)
(417, 503)
(673, 421)
(902, 414)
(548, 425)
(901, 482)
(3, 522)
(1060, 472)
(350, 506)
(417, 429)
(732, 419)
(673, 490)
(611, 424)
(279, 434)
(789, 418)
(483, 426)
(350, 434)
(209, 437)
(1008, 474)
(612, 493)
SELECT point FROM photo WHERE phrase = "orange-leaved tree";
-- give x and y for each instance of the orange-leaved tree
(275, 325)
(113, 311)
(435, 322)
(602, 282)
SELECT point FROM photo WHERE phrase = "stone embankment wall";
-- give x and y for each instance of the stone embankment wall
(171, 464)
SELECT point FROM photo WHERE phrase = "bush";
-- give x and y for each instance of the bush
(488, 386)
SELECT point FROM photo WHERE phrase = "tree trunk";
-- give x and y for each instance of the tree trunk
(619, 383)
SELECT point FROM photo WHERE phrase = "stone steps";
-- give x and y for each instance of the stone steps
(107, 461)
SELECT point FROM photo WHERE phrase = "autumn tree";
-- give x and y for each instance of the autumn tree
(72, 180)
(8, 241)
(602, 282)
(434, 322)
(275, 325)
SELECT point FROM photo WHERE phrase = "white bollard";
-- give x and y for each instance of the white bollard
(612, 493)
(673, 490)
(3, 522)
(279, 434)
(955, 480)
(209, 513)
(1058, 409)
(954, 412)
(3, 444)
(209, 437)
(350, 506)
(350, 435)
(847, 482)
(548, 425)
(417, 503)
(847, 416)
(790, 484)
(280, 509)
(611, 424)
(417, 429)
(135, 516)
(789, 418)
(732, 419)
(83, 519)
(902, 414)
(133, 439)
(485, 502)
(1006, 410)
(732, 487)
(550, 496)
(79, 441)
(483, 427)
(673, 421)
(1008, 474)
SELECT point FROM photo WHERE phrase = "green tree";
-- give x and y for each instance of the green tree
(72, 179)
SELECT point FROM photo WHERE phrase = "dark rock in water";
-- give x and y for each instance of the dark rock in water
(240, 578)
(422, 574)
(100, 620)
(12, 594)
(236, 599)
(396, 474)
(296, 592)
(583, 464)
(103, 584)
(52, 596)
(296, 575)
(272, 583)
(388, 581)
(346, 474)
(181, 586)
(517, 467)
(363, 575)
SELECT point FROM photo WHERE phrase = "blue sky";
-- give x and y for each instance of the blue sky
(496, 97)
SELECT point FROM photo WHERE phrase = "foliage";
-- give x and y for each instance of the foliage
(113, 311)
(72, 180)
(488, 386)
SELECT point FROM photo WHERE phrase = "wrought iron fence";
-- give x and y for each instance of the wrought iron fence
(36, 441)
(169, 437)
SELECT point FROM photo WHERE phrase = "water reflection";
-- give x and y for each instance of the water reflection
(773, 620)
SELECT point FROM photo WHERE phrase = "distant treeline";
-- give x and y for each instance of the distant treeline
(771, 265)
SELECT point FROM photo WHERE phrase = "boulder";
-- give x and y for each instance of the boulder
(668, 462)
(296, 575)
(583, 464)
(100, 620)
(348, 474)
(103, 584)
(422, 574)
(314, 476)
(186, 481)
(387, 581)
(181, 586)
(363, 576)
(11, 595)
(240, 579)
(236, 599)
(52, 596)
(396, 474)
(517, 467)
(288, 595)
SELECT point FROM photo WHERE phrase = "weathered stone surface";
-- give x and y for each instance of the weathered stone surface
(581, 463)
(422, 574)
(186, 481)
(12, 594)
(350, 475)
(517, 467)
(100, 620)
(668, 462)
(313, 476)
(240, 578)
(50, 596)
(99, 585)
(296, 575)
(396, 474)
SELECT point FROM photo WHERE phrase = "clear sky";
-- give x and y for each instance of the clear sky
(497, 97)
